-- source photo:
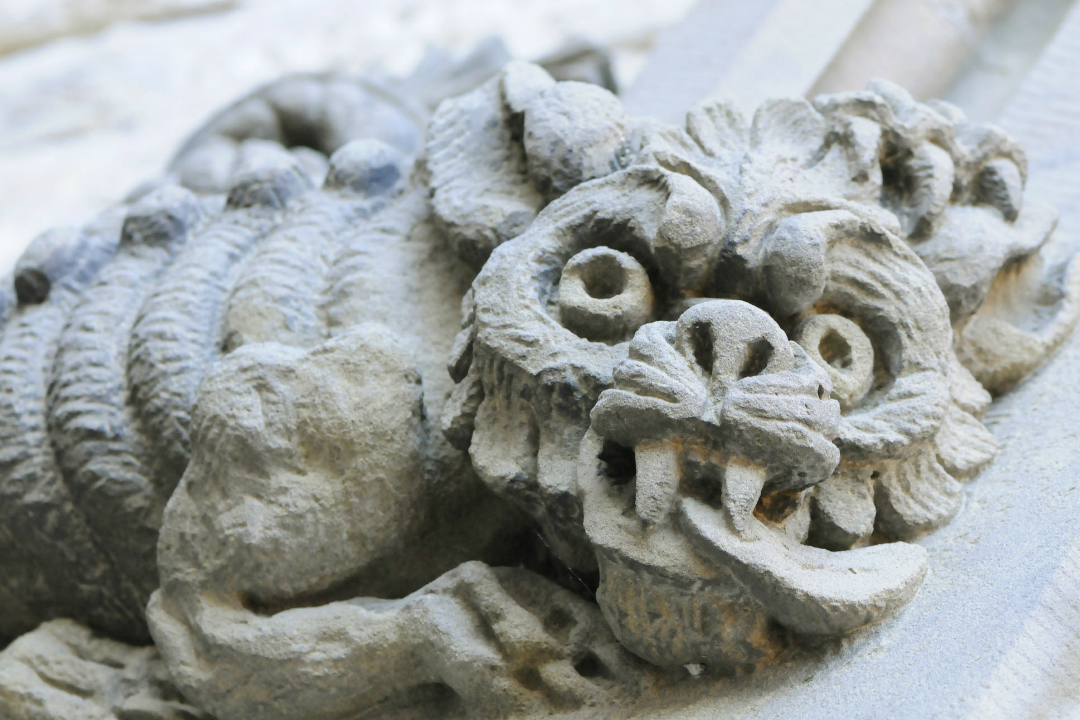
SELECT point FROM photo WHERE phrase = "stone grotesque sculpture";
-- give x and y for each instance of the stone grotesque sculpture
(400, 413)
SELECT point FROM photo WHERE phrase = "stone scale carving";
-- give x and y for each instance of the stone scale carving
(519, 420)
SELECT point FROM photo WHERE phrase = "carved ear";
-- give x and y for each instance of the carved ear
(998, 350)
(497, 155)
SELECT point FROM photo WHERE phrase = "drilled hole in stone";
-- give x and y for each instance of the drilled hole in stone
(604, 276)
(558, 624)
(777, 505)
(591, 666)
(703, 346)
(529, 678)
(32, 287)
(618, 463)
(757, 359)
(835, 350)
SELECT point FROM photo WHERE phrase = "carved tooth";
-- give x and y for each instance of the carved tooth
(657, 479)
(459, 414)
(842, 508)
(742, 485)
(460, 362)
(461, 354)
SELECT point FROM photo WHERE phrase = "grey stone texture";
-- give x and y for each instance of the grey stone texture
(63, 670)
(515, 407)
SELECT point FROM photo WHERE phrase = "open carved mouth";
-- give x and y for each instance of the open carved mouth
(720, 427)
(722, 374)
(729, 425)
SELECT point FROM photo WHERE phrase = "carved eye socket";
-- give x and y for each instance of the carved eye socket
(602, 274)
(842, 348)
(835, 350)
(604, 295)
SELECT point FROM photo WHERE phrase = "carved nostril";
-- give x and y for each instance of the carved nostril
(703, 346)
(821, 392)
(731, 340)
(758, 356)
(591, 666)
(617, 462)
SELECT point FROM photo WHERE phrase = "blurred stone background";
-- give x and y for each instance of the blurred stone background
(95, 95)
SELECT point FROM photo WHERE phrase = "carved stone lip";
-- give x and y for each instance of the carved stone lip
(701, 566)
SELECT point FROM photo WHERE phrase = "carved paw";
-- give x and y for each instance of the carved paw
(510, 643)
(63, 671)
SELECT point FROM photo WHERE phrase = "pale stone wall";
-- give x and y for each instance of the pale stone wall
(85, 118)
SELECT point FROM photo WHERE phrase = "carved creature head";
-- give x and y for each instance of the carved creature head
(727, 369)
(716, 364)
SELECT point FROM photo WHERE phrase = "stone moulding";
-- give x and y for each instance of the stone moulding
(518, 414)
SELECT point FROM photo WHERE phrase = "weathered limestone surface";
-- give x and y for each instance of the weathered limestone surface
(1011, 648)
(62, 670)
(677, 471)
(533, 407)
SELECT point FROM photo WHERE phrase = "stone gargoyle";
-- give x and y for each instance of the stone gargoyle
(516, 414)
